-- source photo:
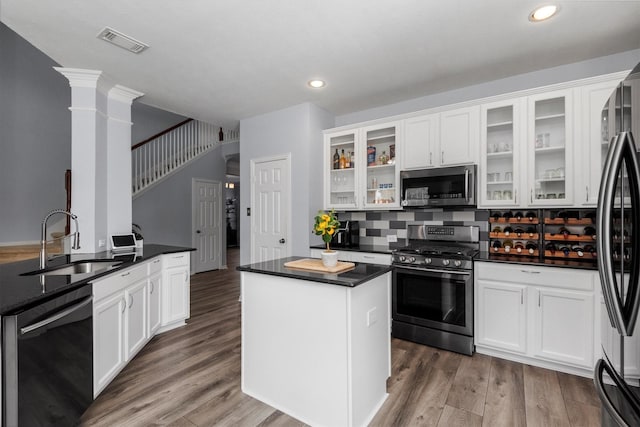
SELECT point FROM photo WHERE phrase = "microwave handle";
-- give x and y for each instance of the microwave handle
(466, 184)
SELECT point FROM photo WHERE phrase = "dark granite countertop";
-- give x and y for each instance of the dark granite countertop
(362, 272)
(20, 292)
(521, 260)
(380, 249)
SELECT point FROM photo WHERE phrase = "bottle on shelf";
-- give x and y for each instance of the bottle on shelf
(507, 231)
(564, 215)
(507, 215)
(519, 247)
(531, 247)
(383, 158)
(551, 247)
(590, 231)
(497, 216)
(565, 233)
(353, 159)
(531, 231)
(507, 244)
(519, 231)
(347, 160)
(496, 245)
(589, 249)
(371, 155)
(497, 229)
(531, 215)
(518, 215)
(566, 250)
(336, 160)
(591, 216)
(342, 159)
(579, 250)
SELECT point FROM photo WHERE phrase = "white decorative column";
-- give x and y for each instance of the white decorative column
(99, 181)
(119, 197)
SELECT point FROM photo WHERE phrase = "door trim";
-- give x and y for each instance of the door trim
(252, 176)
(223, 230)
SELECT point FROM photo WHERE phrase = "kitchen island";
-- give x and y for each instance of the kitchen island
(317, 346)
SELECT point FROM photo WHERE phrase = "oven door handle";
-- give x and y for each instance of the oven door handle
(466, 184)
(432, 270)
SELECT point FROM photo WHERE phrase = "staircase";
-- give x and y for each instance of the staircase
(163, 154)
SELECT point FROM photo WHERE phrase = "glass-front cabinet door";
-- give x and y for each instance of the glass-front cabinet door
(499, 175)
(382, 173)
(341, 179)
(549, 148)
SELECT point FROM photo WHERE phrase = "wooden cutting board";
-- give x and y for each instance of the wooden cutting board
(316, 265)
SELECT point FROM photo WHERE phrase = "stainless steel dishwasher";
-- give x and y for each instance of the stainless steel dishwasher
(47, 361)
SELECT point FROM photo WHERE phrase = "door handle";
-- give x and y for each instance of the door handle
(198, 231)
(282, 241)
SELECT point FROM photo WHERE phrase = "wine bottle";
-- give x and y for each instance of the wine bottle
(518, 216)
(508, 230)
(347, 161)
(590, 231)
(519, 247)
(531, 215)
(579, 250)
(507, 215)
(551, 247)
(221, 135)
(336, 160)
(590, 215)
(353, 159)
(588, 249)
(497, 216)
(496, 245)
(531, 247)
(342, 160)
(519, 231)
(564, 215)
(507, 244)
(497, 229)
(531, 231)
(565, 233)
(566, 250)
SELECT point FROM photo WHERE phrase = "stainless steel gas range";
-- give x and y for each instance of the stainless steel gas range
(433, 287)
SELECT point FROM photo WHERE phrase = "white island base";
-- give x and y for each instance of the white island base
(318, 352)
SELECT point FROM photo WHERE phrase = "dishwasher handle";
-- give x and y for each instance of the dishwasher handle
(56, 316)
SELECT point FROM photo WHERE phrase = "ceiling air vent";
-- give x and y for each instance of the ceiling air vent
(122, 40)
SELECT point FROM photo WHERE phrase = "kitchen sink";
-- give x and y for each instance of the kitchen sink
(78, 267)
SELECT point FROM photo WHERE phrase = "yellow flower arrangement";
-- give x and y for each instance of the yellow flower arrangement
(326, 225)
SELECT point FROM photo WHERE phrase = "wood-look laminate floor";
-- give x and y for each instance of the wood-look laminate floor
(191, 377)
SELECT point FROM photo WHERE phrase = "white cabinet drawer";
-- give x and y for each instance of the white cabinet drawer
(371, 258)
(116, 282)
(180, 259)
(155, 265)
(568, 278)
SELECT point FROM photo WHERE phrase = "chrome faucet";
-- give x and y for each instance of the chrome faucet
(43, 237)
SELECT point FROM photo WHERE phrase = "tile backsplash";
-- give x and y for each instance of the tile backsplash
(375, 226)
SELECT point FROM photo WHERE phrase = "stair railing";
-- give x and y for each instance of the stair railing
(163, 154)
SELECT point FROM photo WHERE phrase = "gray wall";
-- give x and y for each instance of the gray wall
(164, 211)
(35, 138)
(604, 65)
(296, 130)
(149, 121)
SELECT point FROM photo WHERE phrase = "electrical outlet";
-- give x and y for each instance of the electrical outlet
(392, 238)
(372, 316)
(101, 243)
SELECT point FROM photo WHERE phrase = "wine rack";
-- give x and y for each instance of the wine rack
(553, 234)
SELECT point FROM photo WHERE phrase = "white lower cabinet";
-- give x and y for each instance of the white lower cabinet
(132, 305)
(544, 316)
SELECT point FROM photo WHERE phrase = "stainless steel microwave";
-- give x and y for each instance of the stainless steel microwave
(450, 186)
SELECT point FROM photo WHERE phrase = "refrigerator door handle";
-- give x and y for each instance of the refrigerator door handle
(607, 404)
(621, 152)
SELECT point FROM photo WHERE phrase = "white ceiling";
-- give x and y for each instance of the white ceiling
(221, 61)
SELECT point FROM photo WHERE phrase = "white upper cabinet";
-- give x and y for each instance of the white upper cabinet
(361, 171)
(441, 139)
(459, 136)
(499, 174)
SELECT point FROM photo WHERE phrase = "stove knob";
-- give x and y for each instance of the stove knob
(427, 261)
(402, 258)
(457, 263)
(445, 262)
(412, 259)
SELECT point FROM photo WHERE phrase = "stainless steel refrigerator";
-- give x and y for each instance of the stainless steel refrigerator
(617, 373)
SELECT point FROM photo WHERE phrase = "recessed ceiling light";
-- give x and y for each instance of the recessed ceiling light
(543, 12)
(316, 83)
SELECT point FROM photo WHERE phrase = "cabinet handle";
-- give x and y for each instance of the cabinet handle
(587, 189)
(125, 274)
(515, 196)
(532, 195)
(178, 257)
(521, 296)
(367, 256)
(538, 299)
(130, 300)
(430, 158)
(442, 157)
(530, 271)
(152, 287)
(124, 304)
(156, 261)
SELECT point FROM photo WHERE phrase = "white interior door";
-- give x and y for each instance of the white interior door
(207, 213)
(271, 208)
